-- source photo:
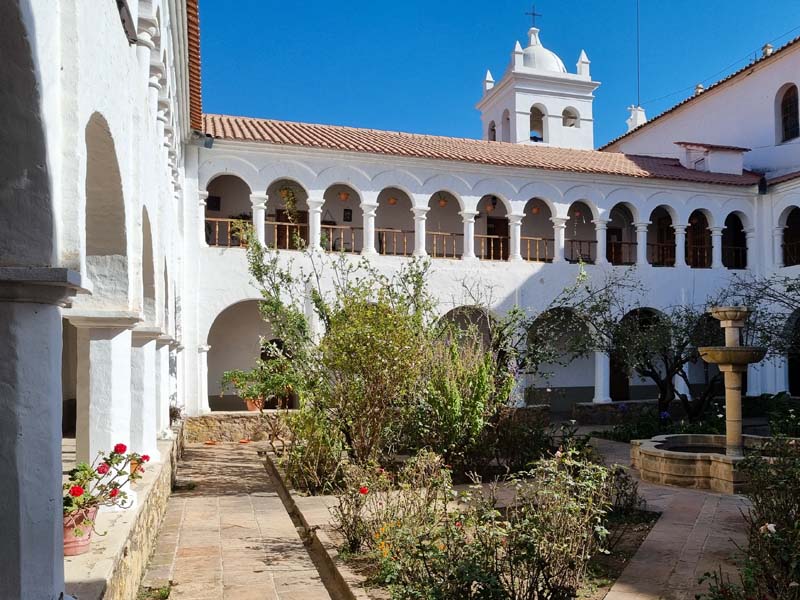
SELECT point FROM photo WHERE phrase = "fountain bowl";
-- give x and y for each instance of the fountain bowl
(730, 313)
(732, 355)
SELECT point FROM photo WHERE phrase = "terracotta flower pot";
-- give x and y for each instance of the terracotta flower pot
(254, 404)
(75, 544)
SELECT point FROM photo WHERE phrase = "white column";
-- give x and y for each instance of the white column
(515, 237)
(259, 202)
(559, 225)
(155, 76)
(368, 244)
(680, 245)
(641, 243)
(602, 378)
(469, 234)
(601, 231)
(144, 397)
(202, 374)
(30, 432)
(777, 247)
(315, 223)
(716, 247)
(750, 254)
(144, 49)
(201, 220)
(420, 216)
(163, 392)
(103, 384)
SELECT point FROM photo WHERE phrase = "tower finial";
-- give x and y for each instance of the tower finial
(533, 14)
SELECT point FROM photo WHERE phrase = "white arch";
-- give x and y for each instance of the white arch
(589, 196)
(740, 206)
(298, 172)
(670, 204)
(784, 206)
(549, 194)
(706, 205)
(401, 179)
(500, 188)
(628, 197)
(227, 165)
(342, 175)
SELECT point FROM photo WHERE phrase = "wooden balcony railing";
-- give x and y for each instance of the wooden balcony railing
(491, 247)
(286, 236)
(661, 255)
(340, 238)
(698, 257)
(537, 249)
(395, 242)
(734, 257)
(579, 250)
(225, 233)
(791, 253)
(621, 253)
(443, 244)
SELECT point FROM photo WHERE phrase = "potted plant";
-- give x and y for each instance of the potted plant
(91, 486)
(247, 385)
(272, 381)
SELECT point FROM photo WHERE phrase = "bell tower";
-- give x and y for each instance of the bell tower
(537, 101)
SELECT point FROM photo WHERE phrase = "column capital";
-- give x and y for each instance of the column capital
(203, 349)
(258, 200)
(559, 222)
(468, 215)
(98, 319)
(203, 195)
(420, 212)
(315, 204)
(679, 229)
(146, 333)
(369, 208)
(515, 219)
(600, 223)
(778, 231)
(40, 285)
(750, 232)
(716, 231)
(641, 226)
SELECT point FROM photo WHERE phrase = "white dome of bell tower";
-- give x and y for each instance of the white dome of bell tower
(537, 101)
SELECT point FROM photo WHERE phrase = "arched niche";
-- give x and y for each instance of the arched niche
(698, 240)
(287, 215)
(661, 238)
(621, 236)
(394, 223)
(148, 272)
(445, 226)
(580, 241)
(491, 229)
(536, 232)
(734, 243)
(342, 220)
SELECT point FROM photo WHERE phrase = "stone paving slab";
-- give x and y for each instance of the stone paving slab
(230, 537)
(698, 532)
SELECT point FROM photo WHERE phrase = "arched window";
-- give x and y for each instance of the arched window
(570, 118)
(537, 124)
(789, 115)
(506, 137)
(492, 135)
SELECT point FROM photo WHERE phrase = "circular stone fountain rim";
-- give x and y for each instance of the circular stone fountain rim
(734, 355)
(730, 313)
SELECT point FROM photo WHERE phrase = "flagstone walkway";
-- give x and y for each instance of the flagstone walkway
(226, 535)
(698, 532)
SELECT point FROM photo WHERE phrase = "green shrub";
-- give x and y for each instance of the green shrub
(537, 547)
(313, 453)
(649, 423)
(772, 563)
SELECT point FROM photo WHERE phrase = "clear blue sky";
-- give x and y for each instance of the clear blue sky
(418, 65)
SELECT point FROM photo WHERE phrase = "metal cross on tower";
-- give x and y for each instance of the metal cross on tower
(533, 14)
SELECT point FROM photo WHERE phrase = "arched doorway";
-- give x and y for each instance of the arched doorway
(228, 202)
(536, 229)
(287, 215)
(621, 236)
(445, 227)
(734, 243)
(342, 220)
(791, 238)
(491, 229)
(472, 319)
(698, 241)
(394, 223)
(538, 125)
(661, 238)
(580, 243)
(625, 383)
(236, 338)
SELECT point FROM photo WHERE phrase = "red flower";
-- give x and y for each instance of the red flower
(113, 493)
(145, 457)
(76, 491)
(363, 490)
(120, 448)
(458, 524)
(103, 468)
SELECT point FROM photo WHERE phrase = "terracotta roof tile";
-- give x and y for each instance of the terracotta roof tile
(714, 146)
(690, 99)
(459, 149)
(783, 178)
(193, 43)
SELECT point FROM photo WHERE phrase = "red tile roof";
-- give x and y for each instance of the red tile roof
(690, 99)
(193, 43)
(714, 146)
(393, 143)
(783, 178)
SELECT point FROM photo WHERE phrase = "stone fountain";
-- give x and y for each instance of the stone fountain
(700, 460)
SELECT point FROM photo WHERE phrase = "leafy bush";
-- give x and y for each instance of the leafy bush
(772, 563)
(649, 423)
(784, 416)
(537, 547)
(313, 453)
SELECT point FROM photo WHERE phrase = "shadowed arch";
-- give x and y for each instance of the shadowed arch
(148, 271)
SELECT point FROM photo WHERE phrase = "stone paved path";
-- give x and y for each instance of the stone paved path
(698, 532)
(230, 538)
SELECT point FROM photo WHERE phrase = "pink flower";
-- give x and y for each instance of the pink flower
(120, 448)
(102, 469)
(363, 490)
(76, 491)
(458, 524)
(113, 493)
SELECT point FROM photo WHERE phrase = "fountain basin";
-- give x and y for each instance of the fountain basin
(730, 313)
(732, 355)
(670, 460)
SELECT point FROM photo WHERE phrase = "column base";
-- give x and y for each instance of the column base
(470, 259)
(602, 400)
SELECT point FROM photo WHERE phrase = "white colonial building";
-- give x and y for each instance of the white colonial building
(124, 289)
